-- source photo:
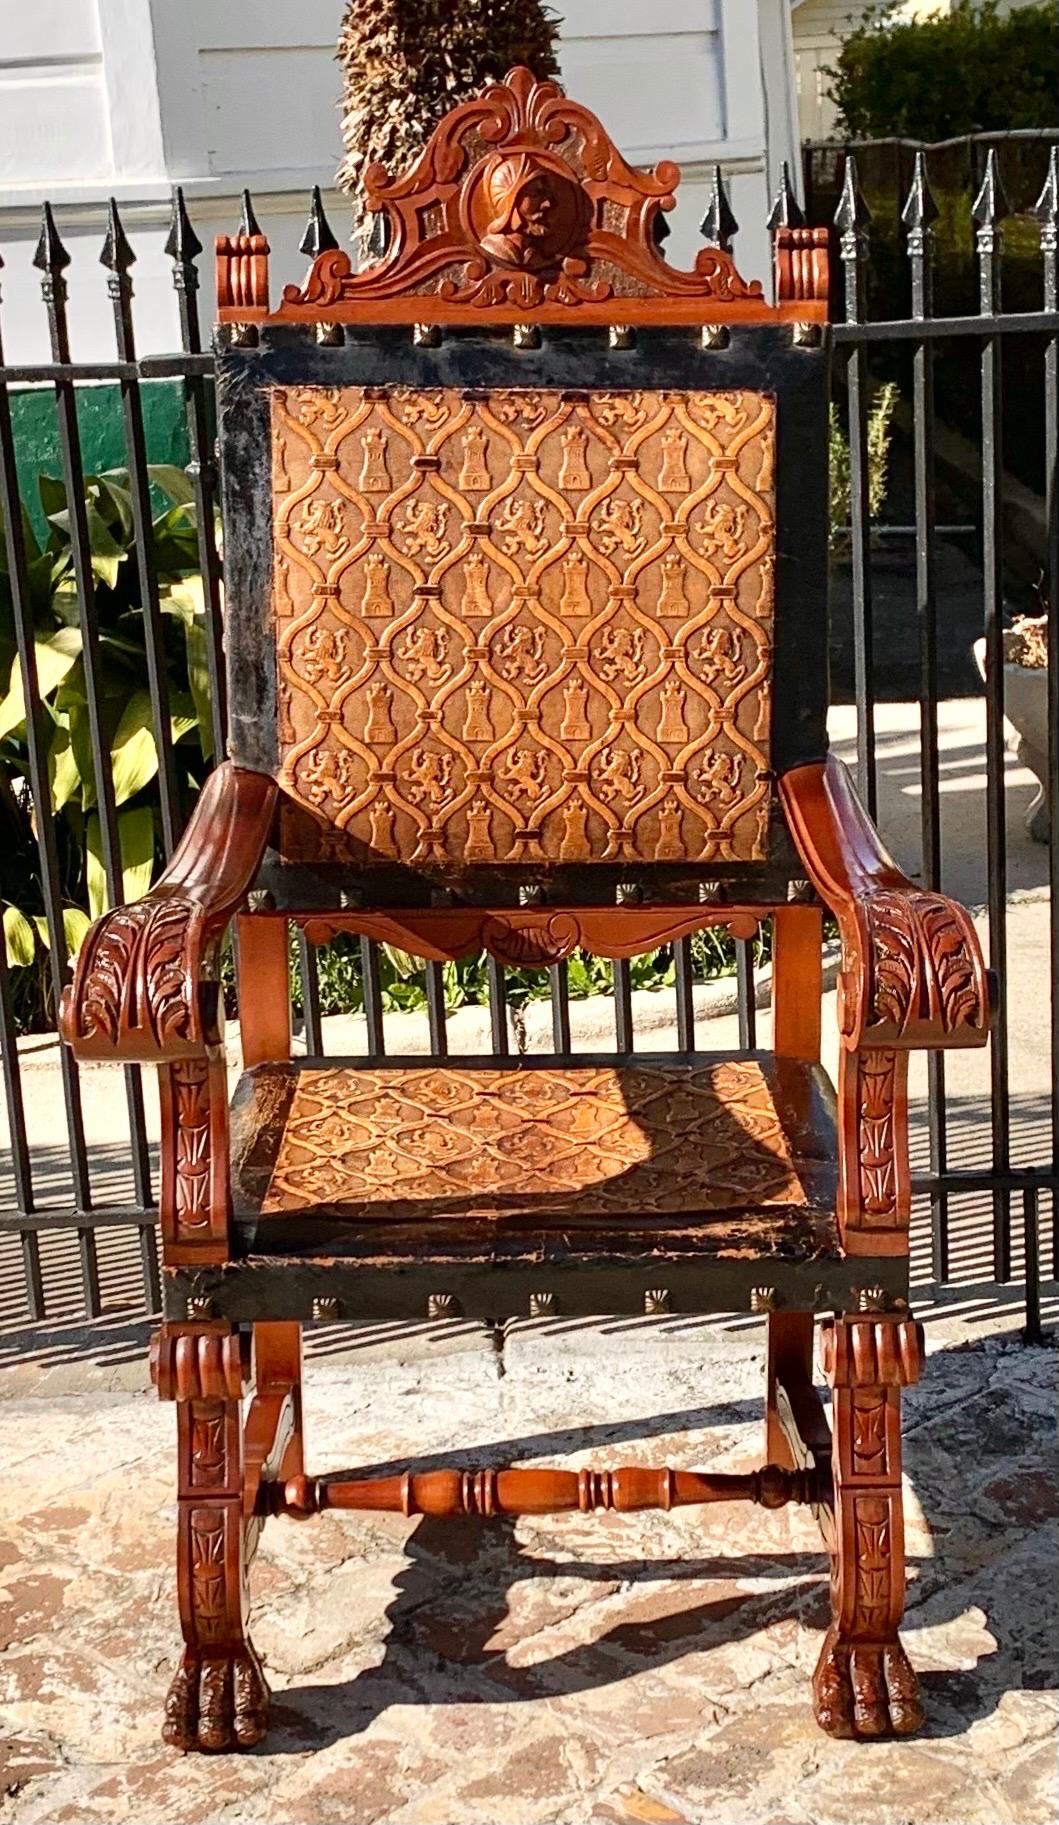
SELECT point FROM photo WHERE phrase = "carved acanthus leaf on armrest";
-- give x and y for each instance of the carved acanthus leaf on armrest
(142, 988)
(912, 967)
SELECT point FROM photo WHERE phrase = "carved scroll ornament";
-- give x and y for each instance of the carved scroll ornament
(533, 938)
(522, 208)
(143, 984)
(912, 967)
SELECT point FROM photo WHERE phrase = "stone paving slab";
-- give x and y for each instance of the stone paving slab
(567, 1668)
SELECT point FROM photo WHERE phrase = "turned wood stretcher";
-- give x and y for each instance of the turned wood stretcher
(525, 572)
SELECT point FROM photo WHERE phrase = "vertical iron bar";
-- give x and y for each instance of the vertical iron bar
(987, 212)
(624, 1038)
(183, 248)
(918, 215)
(684, 997)
(152, 1285)
(1032, 1247)
(86, 1248)
(744, 972)
(372, 987)
(851, 220)
(21, 1167)
(310, 981)
(118, 257)
(439, 1035)
(51, 259)
(37, 758)
(498, 1008)
(20, 1160)
(1047, 213)
(32, 1279)
(560, 981)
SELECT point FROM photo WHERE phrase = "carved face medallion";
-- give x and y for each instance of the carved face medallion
(525, 210)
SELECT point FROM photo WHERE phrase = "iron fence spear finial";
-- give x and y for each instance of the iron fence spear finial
(719, 226)
(51, 257)
(248, 222)
(182, 243)
(785, 212)
(920, 210)
(1046, 208)
(117, 254)
(318, 237)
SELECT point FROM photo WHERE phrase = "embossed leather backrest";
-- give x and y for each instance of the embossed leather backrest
(496, 600)
(526, 625)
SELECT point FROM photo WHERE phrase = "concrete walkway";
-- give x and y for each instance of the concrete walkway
(640, 1669)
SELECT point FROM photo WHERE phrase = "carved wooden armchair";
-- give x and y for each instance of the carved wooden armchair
(526, 556)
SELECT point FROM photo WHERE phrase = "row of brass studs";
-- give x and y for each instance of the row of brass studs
(523, 335)
(656, 1303)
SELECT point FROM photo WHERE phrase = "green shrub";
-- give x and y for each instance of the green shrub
(966, 71)
(128, 733)
(880, 417)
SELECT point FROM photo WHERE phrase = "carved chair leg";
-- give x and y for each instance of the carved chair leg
(218, 1698)
(790, 1357)
(864, 1684)
(278, 1367)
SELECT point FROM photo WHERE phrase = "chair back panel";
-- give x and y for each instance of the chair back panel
(522, 527)
(525, 624)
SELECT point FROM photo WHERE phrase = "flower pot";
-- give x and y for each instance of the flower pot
(1026, 709)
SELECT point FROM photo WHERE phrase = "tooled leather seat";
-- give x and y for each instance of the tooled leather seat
(731, 1156)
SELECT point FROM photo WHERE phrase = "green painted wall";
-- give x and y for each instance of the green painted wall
(36, 431)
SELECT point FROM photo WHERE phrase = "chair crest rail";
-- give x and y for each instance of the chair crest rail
(522, 209)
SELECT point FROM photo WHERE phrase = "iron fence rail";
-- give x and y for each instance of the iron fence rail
(86, 1210)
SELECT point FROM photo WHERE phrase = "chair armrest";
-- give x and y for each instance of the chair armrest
(145, 986)
(912, 967)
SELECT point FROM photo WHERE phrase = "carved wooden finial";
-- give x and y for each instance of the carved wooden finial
(242, 269)
(801, 264)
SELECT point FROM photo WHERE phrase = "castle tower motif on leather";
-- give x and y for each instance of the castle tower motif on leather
(534, 622)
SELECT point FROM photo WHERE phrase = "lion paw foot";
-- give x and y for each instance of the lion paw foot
(865, 1688)
(216, 1701)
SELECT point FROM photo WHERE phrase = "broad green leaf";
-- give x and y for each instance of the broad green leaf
(134, 753)
(75, 924)
(136, 838)
(173, 482)
(81, 744)
(54, 659)
(52, 491)
(403, 962)
(175, 537)
(115, 501)
(63, 771)
(185, 600)
(95, 873)
(182, 714)
(105, 550)
(19, 939)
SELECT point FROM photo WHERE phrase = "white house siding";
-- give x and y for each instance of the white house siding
(130, 96)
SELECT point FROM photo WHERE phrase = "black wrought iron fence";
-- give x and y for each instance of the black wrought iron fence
(77, 1213)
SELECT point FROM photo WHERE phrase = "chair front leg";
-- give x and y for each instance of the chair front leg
(864, 1684)
(218, 1698)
